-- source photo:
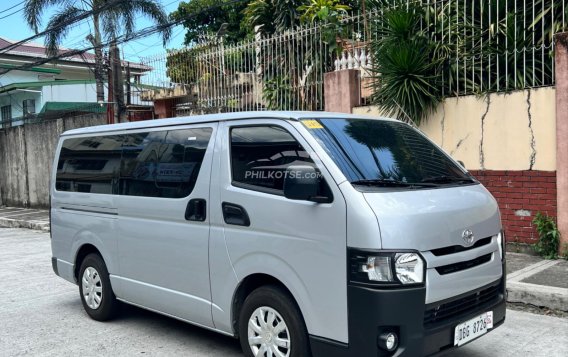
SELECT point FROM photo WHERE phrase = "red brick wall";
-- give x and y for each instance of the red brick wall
(521, 194)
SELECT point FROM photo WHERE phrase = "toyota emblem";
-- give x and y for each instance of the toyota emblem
(468, 236)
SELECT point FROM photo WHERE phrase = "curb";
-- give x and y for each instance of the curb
(19, 223)
(550, 297)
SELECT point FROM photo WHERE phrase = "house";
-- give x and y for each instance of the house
(64, 84)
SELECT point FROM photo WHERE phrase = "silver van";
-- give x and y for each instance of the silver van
(299, 233)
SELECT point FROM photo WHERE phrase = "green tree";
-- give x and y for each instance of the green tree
(109, 19)
(205, 17)
(272, 15)
(330, 15)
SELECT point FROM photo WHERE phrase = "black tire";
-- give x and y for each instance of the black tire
(108, 305)
(278, 299)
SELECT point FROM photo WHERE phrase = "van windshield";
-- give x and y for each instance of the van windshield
(385, 154)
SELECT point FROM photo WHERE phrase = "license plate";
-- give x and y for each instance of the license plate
(473, 328)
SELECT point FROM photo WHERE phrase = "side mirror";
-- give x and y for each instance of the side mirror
(461, 163)
(302, 183)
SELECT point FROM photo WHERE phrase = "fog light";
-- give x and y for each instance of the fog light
(388, 341)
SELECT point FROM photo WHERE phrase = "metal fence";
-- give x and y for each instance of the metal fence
(280, 72)
(492, 46)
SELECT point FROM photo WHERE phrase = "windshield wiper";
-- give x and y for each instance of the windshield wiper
(389, 183)
(446, 179)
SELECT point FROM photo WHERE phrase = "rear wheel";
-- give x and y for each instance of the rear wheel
(271, 324)
(95, 289)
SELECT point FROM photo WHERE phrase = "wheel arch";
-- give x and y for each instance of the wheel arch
(247, 286)
(82, 252)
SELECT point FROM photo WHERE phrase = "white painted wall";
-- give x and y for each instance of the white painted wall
(70, 93)
(23, 76)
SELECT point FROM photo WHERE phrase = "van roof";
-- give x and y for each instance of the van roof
(285, 115)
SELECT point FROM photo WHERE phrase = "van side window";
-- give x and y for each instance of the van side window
(139, 161)
(89, 164)
(179, 161)
(261, 154)
(150, 164)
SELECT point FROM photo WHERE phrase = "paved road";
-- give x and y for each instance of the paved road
(41, 315)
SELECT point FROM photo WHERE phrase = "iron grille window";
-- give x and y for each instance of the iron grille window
(6, 114)
(28, 106)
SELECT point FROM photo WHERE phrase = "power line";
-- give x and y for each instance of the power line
(10, 14)
(146, 48)
(10, 8)
(168, 4)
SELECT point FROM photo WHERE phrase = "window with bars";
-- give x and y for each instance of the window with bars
(6, 115)
(28, 106)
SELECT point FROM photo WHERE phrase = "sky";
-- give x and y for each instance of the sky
(13, 27)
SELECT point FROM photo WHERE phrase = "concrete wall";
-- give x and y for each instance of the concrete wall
(13, 177)
(26, 157)
(561, 66)
(513, 131)
(341, 90)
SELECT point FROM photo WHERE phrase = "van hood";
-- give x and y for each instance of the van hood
(426, 219)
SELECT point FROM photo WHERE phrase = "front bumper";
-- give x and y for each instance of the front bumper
(373, 311)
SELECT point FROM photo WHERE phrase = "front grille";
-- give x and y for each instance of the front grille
(459, 248)
(462, 306)
(452, 268)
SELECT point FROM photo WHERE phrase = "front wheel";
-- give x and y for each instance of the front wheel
(94, 287)
(271, 324)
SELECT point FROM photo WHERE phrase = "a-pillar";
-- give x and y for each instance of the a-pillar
(342, 90)
(561, 66)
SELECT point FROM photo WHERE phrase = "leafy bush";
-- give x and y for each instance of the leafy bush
(549, 236)
(329, 13)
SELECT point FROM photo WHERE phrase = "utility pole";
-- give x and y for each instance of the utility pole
(117, 83)
(110, 101)
(128, 89)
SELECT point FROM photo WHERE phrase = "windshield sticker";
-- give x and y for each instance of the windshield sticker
(312, 124)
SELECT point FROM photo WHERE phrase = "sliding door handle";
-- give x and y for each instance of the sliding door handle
(196, 210)
(235, 214)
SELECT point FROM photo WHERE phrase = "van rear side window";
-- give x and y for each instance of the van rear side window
(151, 164)
(89, 164)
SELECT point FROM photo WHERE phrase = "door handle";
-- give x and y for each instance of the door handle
(196, 210)
(235, 214)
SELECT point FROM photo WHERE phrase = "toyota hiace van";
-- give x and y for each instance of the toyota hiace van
(299, 233)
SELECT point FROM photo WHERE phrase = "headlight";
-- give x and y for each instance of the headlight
(502, 243)
(386, 268)
(409, 268)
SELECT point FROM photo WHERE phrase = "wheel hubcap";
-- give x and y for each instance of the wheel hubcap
(92, 288)
(268, 334)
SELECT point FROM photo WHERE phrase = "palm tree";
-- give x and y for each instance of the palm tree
(109, 19)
